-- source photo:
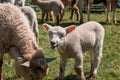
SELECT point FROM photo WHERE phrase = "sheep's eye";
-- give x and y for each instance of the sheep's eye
(61, 35)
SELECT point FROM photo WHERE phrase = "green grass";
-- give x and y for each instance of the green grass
(109, 68)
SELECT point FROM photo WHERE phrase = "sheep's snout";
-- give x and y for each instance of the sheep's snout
(53, 44)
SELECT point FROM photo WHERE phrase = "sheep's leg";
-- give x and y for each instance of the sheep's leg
(61, 14)
(97, 57)
(1, 62)
(108, 11)
(88, 10)
(43, 15)
(80, 11)
(92, 55)
(62, 68)
(72, 12)
(46, 16)
(79, 66)
(77, 12)
(52, 16)
(114, 10)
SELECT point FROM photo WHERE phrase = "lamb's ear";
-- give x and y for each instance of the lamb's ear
(70, 28)
(47, 26)
(26, 64)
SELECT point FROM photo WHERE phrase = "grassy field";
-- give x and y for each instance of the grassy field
(109, 68)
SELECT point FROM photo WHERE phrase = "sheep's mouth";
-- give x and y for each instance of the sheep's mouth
(54, 46)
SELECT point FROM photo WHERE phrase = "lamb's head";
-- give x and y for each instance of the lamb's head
(57, 34)
(34, 69)
(37, 67)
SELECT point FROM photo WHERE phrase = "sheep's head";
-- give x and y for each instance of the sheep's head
(35, 69)
(57, 33)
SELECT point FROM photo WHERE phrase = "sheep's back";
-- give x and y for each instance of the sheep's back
(14, 26)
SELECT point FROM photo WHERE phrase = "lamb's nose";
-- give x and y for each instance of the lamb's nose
(52, 43)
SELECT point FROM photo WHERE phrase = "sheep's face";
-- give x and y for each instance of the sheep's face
(35, 69)
(57, 34)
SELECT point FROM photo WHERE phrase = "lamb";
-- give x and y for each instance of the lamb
(18, 40)
(72, 42)
(52, 5)
(31, 15)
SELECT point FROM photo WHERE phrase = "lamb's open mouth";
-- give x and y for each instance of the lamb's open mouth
(54, 46)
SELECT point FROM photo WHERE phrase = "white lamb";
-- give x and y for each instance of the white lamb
(31, 15)
(50, 5)
(72, 42)
(18, 40)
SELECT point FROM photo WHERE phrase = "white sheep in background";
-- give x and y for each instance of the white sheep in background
(31, 15)
(18, 40)
(72, 42)
(50, 5)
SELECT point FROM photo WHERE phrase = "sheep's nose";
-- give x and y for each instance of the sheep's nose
(52, 43)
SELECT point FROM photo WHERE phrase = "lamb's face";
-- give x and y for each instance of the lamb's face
(56, 35)
(35, 69)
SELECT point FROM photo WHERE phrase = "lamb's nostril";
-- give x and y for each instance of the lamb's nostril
(52, 43)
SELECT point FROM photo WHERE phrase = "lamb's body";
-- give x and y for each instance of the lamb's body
(19, 41)
(50, 5)
(31, 15)
(86, 37)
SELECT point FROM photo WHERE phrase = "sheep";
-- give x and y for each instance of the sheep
(52, 5)
(31, 15)
(72, 42)
(18, 40)
(108, 4)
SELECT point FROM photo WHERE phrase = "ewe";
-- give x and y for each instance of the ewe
(18, 40)
(72, 42)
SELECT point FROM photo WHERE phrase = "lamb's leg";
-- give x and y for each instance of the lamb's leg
(46, 16)
(108, 11)
(62, 68)
(88, 10)
(79, 66)
(43, 15)
(61, 14)
(51, 16)
(1, 62)
(92, 55)
(97, 57)
(58, 19)
(77, 12)
(114, 10)
(72, 12)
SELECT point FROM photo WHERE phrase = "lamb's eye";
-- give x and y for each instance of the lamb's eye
(61, 35)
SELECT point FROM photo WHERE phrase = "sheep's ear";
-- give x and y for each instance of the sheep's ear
(26, 64)
(70, 28)
(46, 26)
